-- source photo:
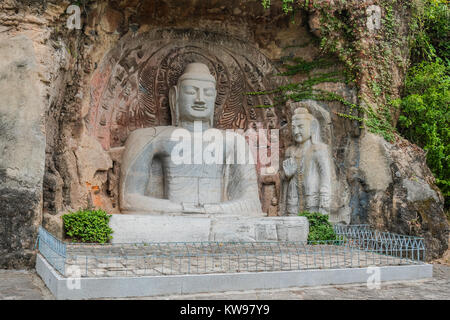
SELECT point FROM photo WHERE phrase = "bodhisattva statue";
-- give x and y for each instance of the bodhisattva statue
(155, 181)
(306, 170)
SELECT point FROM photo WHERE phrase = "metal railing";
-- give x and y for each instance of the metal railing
(53, 249)
(355, 246)
(392, 244)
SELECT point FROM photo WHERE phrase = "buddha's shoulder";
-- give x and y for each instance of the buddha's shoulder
(152, 132)
(139, 138)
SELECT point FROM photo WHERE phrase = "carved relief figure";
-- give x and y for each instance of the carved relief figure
(306, 170)
(154, 181)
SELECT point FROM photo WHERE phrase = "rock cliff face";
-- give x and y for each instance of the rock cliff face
(22, 139)
(29, 77)
(69, 99)
(404, 199)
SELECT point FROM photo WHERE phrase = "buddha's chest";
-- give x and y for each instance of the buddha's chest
(211, 171)
(193, 183)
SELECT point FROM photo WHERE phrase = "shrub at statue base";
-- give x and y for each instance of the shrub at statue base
(88, 226)
(320, 229)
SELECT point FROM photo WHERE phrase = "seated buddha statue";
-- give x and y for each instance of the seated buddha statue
(189, 167)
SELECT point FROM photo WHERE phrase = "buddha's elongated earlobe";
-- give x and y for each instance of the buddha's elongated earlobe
(173, 102)
(211, 120)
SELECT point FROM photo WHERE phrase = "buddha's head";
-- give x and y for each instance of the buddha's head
(194, 96)
(305, 126)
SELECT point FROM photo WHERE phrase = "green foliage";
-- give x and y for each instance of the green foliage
(313, 73)
(301, 66)
(319, 227)
(378, 122)
(88, 226)
(426, 115)
(342, 31)
(430, 38)
(265, 3)
(287, 5)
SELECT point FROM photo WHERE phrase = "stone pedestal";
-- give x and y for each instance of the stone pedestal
(186, 228)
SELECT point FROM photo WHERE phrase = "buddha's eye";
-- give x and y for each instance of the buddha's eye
(189, 90)
(210, 92)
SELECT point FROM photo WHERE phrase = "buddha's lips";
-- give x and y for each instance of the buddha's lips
(199, 108)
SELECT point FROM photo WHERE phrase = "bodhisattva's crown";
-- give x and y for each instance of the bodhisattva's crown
(302, 113)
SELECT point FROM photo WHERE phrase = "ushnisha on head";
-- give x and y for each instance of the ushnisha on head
(194, 96)
(196, 71)
(304, 126)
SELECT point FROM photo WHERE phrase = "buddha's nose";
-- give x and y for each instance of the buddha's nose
(200, 97)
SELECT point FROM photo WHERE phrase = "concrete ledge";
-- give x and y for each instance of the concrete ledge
(121, 287)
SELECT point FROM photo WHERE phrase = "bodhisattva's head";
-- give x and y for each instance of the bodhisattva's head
(194, 97)
(305, 126)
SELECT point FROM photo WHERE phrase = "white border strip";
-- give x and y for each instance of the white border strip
(121, 287)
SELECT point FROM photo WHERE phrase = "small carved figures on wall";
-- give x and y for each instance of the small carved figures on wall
(306, 169)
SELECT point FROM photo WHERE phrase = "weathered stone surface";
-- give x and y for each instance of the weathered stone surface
(54, 224)
(402, 197)
(111, 20)
(21, 111)
(22, 151)
(419, 191)
(374, 162)
(91, 158)
(92, 165)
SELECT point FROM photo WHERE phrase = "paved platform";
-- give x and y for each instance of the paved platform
(20, 285)
(129, 260)
(76, 287)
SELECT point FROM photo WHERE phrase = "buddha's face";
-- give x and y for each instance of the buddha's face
(301, 130)
(196, 99)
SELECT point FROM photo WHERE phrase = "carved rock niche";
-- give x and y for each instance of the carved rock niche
(130, 90)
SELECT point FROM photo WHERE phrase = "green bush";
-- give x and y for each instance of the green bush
(425, 112)
(425, 116)
(88, 226)
(431, 31)
(319, 226)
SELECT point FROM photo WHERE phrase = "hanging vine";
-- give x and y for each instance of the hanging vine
(369, 58)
